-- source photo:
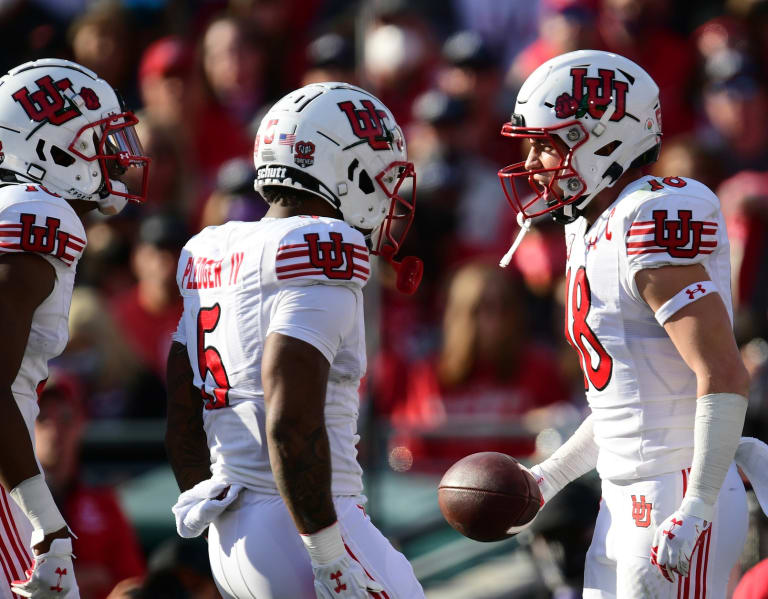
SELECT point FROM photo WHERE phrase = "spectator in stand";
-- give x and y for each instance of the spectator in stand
(472, 73)
(641, 31)
(487, 377)
(116, 383)
(102, 40)
(234, 61)
(399, 56)
(106, 546)
(745, 206)
(234, 197)
(149, 312)
(564, 26)
(685, 156)
(736, 107)
(330, 57)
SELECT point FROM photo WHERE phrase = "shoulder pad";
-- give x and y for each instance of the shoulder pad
(33, 220)
(680, 221)
(322, 250)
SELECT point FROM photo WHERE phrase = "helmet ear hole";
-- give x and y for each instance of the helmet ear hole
(365, 183)
(608, 148)
(61, 157)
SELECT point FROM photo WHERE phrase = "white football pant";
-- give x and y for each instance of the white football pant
(256, 552)
(618, 564)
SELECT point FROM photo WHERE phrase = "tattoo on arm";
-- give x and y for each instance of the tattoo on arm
(301, 464)
(185, 440)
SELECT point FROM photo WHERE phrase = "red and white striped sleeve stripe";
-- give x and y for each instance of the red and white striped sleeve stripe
(641, 239)
(10, 242)
(293, 261)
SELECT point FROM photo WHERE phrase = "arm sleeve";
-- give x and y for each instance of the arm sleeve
(575, 457)
(671, 230)
(320, 315)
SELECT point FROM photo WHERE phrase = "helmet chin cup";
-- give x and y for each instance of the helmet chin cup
(112, 203)
(409, 270)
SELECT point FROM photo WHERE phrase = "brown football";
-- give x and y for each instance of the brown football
(484, 494)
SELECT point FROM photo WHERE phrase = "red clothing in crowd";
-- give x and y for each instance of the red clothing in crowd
(149, 334)
(106, 547)
(479, 414)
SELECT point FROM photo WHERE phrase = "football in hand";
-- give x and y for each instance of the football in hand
(485, 494)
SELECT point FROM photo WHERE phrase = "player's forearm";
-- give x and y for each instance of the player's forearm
(717, 431)
(17, 455)
(575, 457)
(301, 464)
(185, 440)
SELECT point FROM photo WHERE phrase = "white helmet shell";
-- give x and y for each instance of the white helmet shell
(60, 125)
(339, 142)
(606, 110)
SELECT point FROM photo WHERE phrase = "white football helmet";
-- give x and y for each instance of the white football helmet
(65, 129)
(604, 108)
(341, 143)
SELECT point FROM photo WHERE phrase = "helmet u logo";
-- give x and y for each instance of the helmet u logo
(47, 103)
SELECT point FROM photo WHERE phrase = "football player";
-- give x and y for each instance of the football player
(65, 142)
(648, 310)
(264, 370)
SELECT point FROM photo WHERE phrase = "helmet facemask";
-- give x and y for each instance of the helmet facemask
(117, 148)
(565, 187)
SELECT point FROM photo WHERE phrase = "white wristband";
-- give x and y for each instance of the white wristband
(716, 435)
(687, 295)
(34, 498)
(325, 545)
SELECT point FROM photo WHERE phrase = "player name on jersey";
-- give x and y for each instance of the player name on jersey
(201, 272)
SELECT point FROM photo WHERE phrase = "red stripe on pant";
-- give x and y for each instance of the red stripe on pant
(22, 547)
(9, 528)
(352, 555)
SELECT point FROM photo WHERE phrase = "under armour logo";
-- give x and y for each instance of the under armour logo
(47, 103)
(692, 292)
(57, 587)
(675, 235)
(674, 523)
(331, 255)
(368, 124)
(336, 577)
(641, 512)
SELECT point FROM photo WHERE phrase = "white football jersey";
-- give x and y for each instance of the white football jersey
(37, 221)
(640, 391)
(300, 276)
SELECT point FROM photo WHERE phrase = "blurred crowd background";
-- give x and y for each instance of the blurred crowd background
(476, 359)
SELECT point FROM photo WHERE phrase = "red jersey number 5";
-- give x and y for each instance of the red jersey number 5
(209, 360)
(596, 363)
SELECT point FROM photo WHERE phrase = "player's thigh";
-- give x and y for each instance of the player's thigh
(599, 568)
(255, 552)
(381, 561)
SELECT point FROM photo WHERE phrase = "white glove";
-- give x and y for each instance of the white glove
(674, 542)
(343, 579)
(52, 576)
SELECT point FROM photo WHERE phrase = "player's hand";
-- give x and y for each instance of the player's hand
(343, 579)
(51, 576)
(674, 542)
(536, 473)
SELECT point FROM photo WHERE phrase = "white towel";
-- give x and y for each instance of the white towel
(197, 507)
(752, 458)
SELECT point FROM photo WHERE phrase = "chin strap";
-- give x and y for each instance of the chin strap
(525, 225)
